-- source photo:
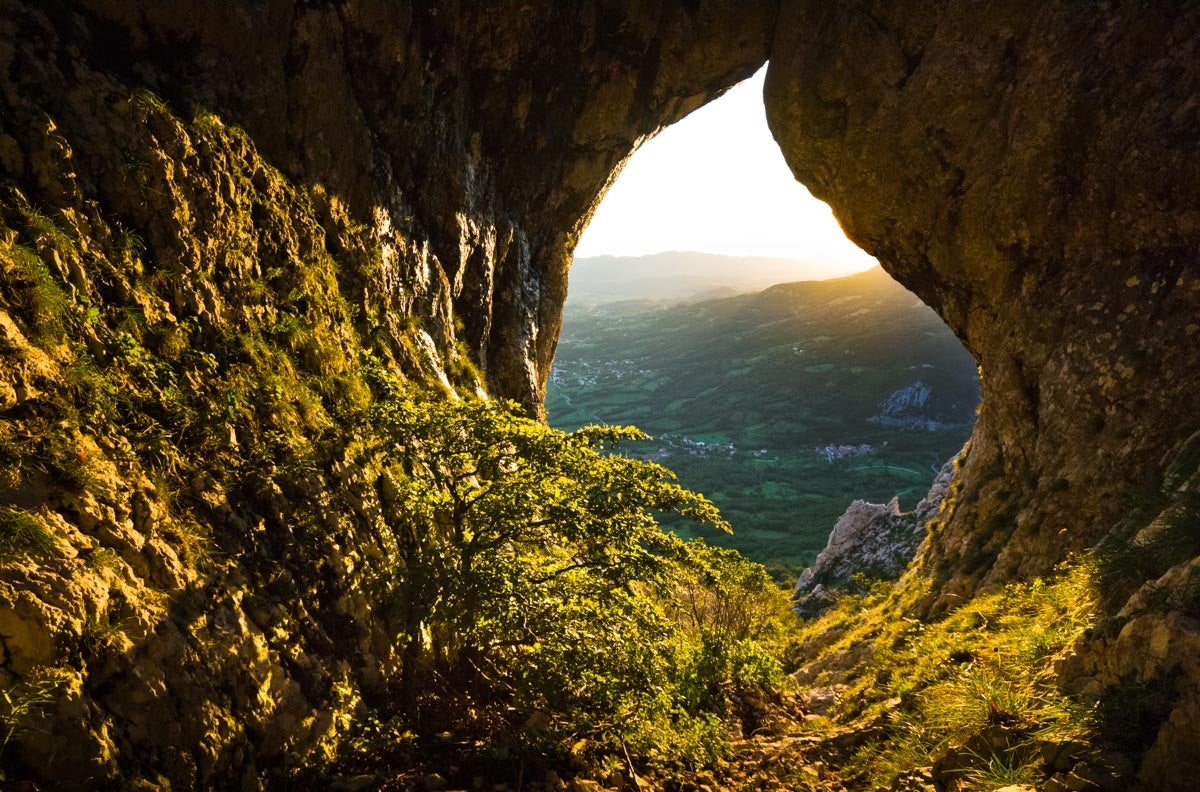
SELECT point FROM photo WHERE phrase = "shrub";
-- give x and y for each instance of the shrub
(531, 571)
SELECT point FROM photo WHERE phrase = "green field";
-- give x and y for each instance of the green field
(779, 374)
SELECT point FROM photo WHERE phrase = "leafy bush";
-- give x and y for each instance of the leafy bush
(531, 571)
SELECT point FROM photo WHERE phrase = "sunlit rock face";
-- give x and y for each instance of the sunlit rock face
(474, 137)
(1029, 170)
(871, 539)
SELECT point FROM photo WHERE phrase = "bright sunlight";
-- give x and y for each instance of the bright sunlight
(716, 182)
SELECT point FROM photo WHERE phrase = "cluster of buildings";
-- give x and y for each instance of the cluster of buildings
(593, 373)
(832, 452)
(681, 443)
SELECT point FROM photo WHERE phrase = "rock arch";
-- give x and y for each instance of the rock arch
(1027, 168)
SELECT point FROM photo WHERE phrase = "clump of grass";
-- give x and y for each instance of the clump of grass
(196, 543)
(67, 464)
(94, 394)
(1000, 770)
(462, 369)
(145, 103)
(26, 700)
(22, 533)
(105, 559)
(208, 123)
(1130, 715)
(1123, 564)
(41, 303)
(12, 461)
(43, 229)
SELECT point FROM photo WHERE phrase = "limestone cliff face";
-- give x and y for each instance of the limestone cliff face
(218, 222)
(1030, 172)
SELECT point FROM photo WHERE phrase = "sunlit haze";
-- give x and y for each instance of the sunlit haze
(716, 182)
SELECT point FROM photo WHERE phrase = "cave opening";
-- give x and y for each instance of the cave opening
(718, 306)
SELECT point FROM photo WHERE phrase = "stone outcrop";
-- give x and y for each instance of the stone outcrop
(875, 540)
(1029, 172)
(1142, 663)
(909, 408)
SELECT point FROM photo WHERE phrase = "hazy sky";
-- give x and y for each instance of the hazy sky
(716, 182)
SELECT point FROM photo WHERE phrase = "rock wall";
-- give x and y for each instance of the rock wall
(474, 139)
(1028, 170)
(219, 223)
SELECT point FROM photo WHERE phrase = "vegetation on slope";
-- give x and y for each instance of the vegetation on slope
(984, 697)
(224, 467)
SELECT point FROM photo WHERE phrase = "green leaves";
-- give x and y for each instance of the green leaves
(532, 565)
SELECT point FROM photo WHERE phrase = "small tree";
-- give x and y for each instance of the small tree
(521, 543)
(534, 593)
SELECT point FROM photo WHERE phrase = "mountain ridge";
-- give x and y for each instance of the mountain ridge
(675, 275)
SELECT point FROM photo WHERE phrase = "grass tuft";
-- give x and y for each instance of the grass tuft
(22, 533)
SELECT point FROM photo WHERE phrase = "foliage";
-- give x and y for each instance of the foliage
(35, 295)
(22, 532)
(25, 700)
(734, 598)
(535, 573)
(1172, 537)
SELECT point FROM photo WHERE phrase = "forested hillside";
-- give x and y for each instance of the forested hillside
(783, 405)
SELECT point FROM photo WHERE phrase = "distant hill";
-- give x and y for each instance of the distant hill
(682, 276)
(827, 390)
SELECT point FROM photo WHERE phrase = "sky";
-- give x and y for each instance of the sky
(716, 182)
